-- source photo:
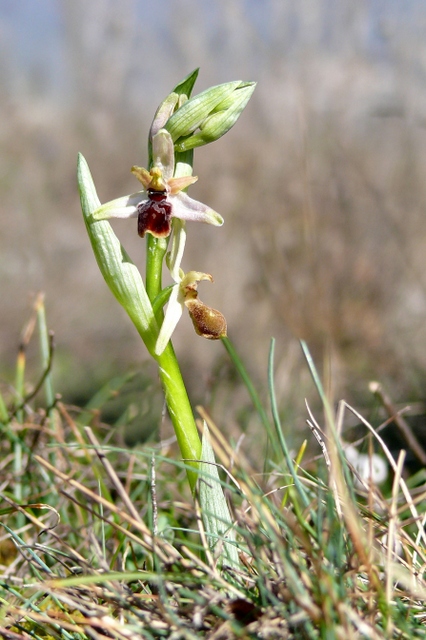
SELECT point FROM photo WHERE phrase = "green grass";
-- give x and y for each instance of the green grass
(101, 541)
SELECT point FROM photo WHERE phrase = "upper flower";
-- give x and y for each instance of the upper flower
(163, 197)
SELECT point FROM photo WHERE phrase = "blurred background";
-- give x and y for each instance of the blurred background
(321, 184)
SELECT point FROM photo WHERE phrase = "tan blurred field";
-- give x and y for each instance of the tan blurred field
(320, 183)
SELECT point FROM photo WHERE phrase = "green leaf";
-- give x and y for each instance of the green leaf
(214, 509)
(162, 298)
(118, 270)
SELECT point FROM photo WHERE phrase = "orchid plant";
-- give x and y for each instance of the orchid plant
(162, 208)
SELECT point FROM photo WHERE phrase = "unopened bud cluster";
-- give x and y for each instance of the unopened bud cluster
(204, 118)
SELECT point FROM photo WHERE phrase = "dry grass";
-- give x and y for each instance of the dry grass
(106, 542)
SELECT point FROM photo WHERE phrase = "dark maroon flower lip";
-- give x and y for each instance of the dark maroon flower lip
(155, 216)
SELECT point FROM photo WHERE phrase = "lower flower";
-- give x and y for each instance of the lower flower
(207, 322)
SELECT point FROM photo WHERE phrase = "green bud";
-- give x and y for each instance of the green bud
(190, 116)
(221, 120)
(239, 97)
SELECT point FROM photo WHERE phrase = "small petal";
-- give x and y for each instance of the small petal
(153, 179)
(172, 317)
(163, 153)
(143, 175)
(186, 208)
(189, 282)
(125, 207)
(178, 184)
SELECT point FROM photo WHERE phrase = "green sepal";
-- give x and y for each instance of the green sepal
(162, 115)
(118, 270)
(184, 88)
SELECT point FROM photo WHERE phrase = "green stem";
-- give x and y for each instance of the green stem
(17, 449)
(155, 251)
(176, 396)
(45, 353)
(180, 410)
(278, 427)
